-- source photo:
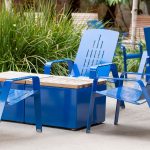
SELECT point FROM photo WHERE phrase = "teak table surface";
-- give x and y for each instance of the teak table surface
(51, 80)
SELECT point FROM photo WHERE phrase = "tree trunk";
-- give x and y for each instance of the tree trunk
(8, 5)
(134, 17)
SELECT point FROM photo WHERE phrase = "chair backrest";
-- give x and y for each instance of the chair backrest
(97, 46)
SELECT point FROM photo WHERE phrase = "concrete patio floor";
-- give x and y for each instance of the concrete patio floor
(133, 132)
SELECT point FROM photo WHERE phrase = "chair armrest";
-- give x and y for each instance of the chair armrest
(35, 81)
(118, 81)
(48, 65)
(95, 69)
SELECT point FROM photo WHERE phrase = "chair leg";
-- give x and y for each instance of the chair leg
(90, 113)
(37, 109)
(122, 104)
(117, 112)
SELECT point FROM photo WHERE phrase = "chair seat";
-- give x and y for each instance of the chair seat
(126, 94)
(18, 95)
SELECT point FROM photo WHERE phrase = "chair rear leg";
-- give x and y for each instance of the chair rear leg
(90, 114)
(117, 112)
(37, 109)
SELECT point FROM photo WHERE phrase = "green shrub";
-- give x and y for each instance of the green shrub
(29, 38)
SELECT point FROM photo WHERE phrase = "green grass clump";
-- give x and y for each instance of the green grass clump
(29, 38)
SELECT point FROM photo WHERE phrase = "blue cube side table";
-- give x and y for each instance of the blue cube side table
(65, 102)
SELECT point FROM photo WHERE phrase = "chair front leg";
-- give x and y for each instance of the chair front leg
(117, 112)
(37, 109)
(90, 113)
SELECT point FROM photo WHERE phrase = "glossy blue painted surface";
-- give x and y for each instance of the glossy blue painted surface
(66, 108)
(135, 95)
(95, 73)
(131, 95)
(14, 94)
(126, 94)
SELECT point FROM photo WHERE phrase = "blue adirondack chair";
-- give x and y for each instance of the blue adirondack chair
(136, 95)
(97, 47)
(12, 96)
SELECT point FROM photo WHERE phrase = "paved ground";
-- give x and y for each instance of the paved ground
(132, 133)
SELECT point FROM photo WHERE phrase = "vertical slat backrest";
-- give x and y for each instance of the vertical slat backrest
(97, 46)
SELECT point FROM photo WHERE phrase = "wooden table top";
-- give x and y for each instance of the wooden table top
(51, 80)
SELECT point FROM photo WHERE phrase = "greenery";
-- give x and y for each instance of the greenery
(29, 38)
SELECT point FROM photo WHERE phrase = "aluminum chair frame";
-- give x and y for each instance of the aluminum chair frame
(12, 96)
(116, 92)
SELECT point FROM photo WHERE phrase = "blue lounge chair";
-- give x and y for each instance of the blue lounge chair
(12, 96)
(97, 47)
(136, 95)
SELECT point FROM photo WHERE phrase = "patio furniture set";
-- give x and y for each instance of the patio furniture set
(79, 100)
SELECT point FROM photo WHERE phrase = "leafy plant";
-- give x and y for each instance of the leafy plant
(29, 38)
